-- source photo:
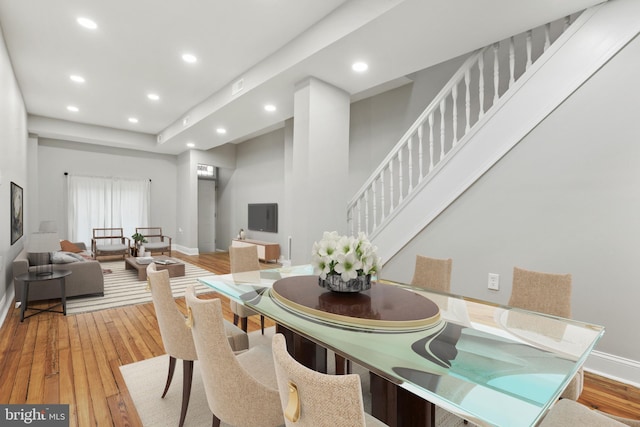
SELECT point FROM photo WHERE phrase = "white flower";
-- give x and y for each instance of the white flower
(345, 255)
(348, 265)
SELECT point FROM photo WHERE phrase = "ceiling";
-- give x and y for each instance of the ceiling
(249, 53)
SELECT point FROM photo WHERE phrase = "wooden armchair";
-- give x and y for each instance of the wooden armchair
(156, 241)
(109, 242)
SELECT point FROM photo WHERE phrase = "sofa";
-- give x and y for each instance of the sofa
(86, 277)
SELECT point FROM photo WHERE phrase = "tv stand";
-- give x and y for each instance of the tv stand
(266, 251)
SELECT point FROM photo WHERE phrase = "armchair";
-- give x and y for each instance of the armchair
(156, 241)
(109, 242)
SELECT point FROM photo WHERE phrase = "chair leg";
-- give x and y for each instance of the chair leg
(187, 377)
(216, 421)
(235, 319)
(172, 367)
(262, 324)
(243, 324)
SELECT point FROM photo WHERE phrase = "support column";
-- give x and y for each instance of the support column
(319, 165)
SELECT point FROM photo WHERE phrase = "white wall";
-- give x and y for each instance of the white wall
(565, 200)
(57, 157)
(13, 168)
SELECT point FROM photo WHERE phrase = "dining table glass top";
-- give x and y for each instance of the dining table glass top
(490, 364)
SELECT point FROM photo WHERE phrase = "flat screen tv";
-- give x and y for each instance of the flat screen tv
(263, 217)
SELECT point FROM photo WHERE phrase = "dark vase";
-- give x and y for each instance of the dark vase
(335, 283)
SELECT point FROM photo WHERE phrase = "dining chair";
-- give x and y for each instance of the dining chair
(313, 399)
(548, 293)
(244, 258)
(432, 273)
(241, 389)
(176, 336)
(569, 413)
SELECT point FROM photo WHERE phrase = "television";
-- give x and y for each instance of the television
(263, 217)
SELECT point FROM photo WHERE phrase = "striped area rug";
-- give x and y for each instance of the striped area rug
(122, 287)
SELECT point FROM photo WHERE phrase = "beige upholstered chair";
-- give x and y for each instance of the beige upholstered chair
(569, 413)
(241, 389)
(432, 273)
(176, 336)
(313, 399)
(546, 293)
(157, 243)
(109, 242)
(244, 258)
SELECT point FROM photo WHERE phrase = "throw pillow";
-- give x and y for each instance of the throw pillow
(65, 257)
(67, 246)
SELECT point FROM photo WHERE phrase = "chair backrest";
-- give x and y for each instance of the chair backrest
(244, 258)
(542, 292)
(176, 336)
(313, 399)
(234, 396)
(108, 233)
(150, 232)
(432, 273)
(566, 412)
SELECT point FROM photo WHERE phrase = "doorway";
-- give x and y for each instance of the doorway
(206, 209)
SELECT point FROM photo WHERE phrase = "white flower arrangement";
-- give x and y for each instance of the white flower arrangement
(347, 256)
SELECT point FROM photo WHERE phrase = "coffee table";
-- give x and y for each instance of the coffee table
(176, 269)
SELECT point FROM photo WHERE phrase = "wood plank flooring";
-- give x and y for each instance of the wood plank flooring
(75, 359)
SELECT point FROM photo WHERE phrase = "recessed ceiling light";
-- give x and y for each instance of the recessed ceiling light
(76, 78)
(270, 108)
(221, 131)
(360, 67)
(87, 23)
(190, 144)
(153, 96)
(133, 120)
(187, 57)
(73, 108)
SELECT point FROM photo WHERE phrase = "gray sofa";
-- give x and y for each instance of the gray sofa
(86, 279)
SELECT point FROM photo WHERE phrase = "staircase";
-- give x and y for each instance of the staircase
(498, 95)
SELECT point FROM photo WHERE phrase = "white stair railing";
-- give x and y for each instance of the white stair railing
(462, 103)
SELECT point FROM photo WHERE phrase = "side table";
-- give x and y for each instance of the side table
(27, 278)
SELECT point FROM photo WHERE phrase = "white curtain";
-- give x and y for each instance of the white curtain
(99, 202)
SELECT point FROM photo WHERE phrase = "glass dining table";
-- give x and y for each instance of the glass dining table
(487, 363)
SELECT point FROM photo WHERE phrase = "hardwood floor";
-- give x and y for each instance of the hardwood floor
(75, 359)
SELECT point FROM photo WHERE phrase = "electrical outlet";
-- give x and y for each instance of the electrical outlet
(494, 281)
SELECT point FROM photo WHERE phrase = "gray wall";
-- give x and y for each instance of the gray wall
(258, 177)
(565, 200)
(13, 166)
(57, 157)
(377, 123)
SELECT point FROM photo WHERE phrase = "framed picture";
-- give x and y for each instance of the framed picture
(16, 212)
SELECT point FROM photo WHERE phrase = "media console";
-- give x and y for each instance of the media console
(266, 251)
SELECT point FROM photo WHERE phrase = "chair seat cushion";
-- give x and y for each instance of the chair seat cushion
(238, 339)
(156, 245)
(258, 361)
(112, 248)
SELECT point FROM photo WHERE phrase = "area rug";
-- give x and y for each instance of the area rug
(145, 381)
(122, 287)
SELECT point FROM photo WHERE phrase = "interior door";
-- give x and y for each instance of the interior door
(206, 215)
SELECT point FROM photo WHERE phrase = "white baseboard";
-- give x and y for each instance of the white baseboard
(185, 250)
(617, 368)
(5, 303)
